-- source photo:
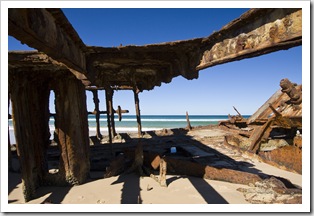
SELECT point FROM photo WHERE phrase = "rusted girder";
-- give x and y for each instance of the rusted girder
(281, 103)
(97, 113)
(119, 111)
(183, 167)
(137, 109)
(72, 129)
(256, 32)
(189, 127)
(30, 116)
(238, 112)
(258, 135)
(49, 31)
(263, 132)
(148, 66)
(108, 97)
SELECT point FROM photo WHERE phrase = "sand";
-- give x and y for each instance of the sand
(132, 189)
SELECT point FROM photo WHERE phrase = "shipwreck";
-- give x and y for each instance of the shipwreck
(274, 131)
(65, 65)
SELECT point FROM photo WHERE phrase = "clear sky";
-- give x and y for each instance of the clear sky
(245, 84)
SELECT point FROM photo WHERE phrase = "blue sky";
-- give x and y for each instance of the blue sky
(245, 84)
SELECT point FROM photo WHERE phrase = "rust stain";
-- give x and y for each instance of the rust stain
(287, 156)
(281, 115)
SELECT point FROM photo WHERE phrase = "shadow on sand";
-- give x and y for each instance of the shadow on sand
(159, 143)
(131, 191)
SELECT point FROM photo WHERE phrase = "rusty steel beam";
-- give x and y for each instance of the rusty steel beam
(256, 32)
(108, 105)
(49, 31)
(189, 127)
(138, 112)
(97, 113)
(111, 114)
(71, 129)
(182, 167)
(238, 112)
(258, 135)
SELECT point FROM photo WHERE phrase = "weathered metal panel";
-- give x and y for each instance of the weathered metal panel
(288, 156)
(256, 32)
(71, 128)
(259, 114)
(30, 114)
(49, 31)
(277, 101)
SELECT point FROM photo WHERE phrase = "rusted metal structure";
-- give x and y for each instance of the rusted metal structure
(67, 66)
(275, 129)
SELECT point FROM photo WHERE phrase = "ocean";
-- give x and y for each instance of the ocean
(149, 122)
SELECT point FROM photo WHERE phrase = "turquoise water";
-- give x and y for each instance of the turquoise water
(149, 122)
(158, 121)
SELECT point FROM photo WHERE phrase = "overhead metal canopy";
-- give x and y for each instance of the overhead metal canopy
(256, 32)
(49, 31)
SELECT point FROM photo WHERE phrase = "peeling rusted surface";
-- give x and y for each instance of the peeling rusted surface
(258, 135)
(278, 102)
(275, 124)
(30, 121)
(282, 27)
(297, 141)
(184, 167)
(138, 111)
(146, 66)
(288, 156)
(72, 129)
(49, 31)
(97, 113)
(230, 175)
(256, 32)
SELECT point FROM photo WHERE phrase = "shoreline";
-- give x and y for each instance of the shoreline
(149, 123)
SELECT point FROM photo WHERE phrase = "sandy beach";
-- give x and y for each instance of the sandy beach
(83, 128)
(133, 189)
